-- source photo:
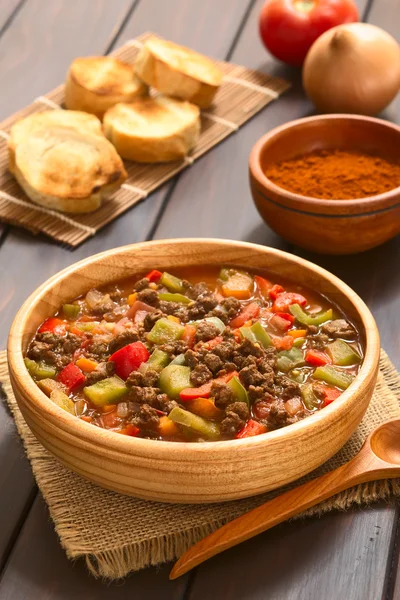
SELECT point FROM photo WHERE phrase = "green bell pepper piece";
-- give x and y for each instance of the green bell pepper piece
(309, 398)
(157, 361)
(49, 385)
(40, 370)
(169, 297)
(86, 326)
(261, 335)
(332, 376)
(172, 283)
(342, 354)
(247, 332)
(62, 400)
(178, 360)
(303, 317)
(107, 391)
(298, 342)
(289, 359)
(224, 274)
(197, 424)
(71, 311)
(239, 391)
(174, 379)
(165, 331)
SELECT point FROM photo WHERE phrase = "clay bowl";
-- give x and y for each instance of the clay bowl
(189, 472)
(327, 226)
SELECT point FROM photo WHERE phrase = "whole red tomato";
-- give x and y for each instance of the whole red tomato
(289, 27)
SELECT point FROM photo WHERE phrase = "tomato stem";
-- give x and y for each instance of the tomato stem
(304, 5)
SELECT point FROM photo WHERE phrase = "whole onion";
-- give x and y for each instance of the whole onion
(352, 68)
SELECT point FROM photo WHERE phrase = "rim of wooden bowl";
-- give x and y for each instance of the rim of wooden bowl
(158, 448)
(282, 195)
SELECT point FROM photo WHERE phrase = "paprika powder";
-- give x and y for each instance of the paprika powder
(335, 174)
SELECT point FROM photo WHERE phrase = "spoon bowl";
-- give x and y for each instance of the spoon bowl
(385, 442)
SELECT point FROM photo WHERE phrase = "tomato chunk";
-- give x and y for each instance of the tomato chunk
(284, 300)
(250, 429)
(282, 343)
(188, 335)
(154, 275)
(72, 377)
(129, 358)
(251, 311)
(317, 358)
(54, 325)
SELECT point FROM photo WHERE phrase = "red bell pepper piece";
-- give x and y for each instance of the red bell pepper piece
(132, 430)
(129, 358)
(188, 335)
(72, 377)
(330, 394)
(284, 300)
(250, 429)
(204, 390)
(154, 275)
(286, 316)
(251, 311)
(275, 291)
(129, 429)
(317, 358)
(282, 321)
(263, 285)
(53, 325)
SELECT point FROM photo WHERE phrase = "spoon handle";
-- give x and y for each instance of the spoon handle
(362, 468)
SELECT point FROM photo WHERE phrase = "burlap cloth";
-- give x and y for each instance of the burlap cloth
(117, 534)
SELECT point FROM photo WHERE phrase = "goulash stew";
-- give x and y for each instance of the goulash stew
(202, 356)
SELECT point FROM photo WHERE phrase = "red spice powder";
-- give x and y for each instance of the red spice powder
(335, 174)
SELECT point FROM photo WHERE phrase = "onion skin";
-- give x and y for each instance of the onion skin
(353, 68)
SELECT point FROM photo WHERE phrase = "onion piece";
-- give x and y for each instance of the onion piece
(293, 405)
(138, 305)
(352, 68)
(93, 297)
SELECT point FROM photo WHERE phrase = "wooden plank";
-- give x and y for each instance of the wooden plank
(335, 558)
(206, 26)
(385, 298)
(39, 30)
(215, 201)
(45, 37)
(39, 569)
(9, 9)
(26, 261)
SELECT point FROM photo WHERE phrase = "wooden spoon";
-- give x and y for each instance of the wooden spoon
(379, 458)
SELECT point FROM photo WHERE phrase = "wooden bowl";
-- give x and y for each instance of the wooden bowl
(328, 226)
(189, 472)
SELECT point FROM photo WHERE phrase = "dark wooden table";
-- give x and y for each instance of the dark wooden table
(341, 556)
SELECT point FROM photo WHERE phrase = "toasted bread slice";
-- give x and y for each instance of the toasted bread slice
(25, 128)
(177, 71)
(153, 130)
(96, 83)
(67, 170)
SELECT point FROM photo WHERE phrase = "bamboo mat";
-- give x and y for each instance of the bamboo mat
(150, 533)
(243, 93)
